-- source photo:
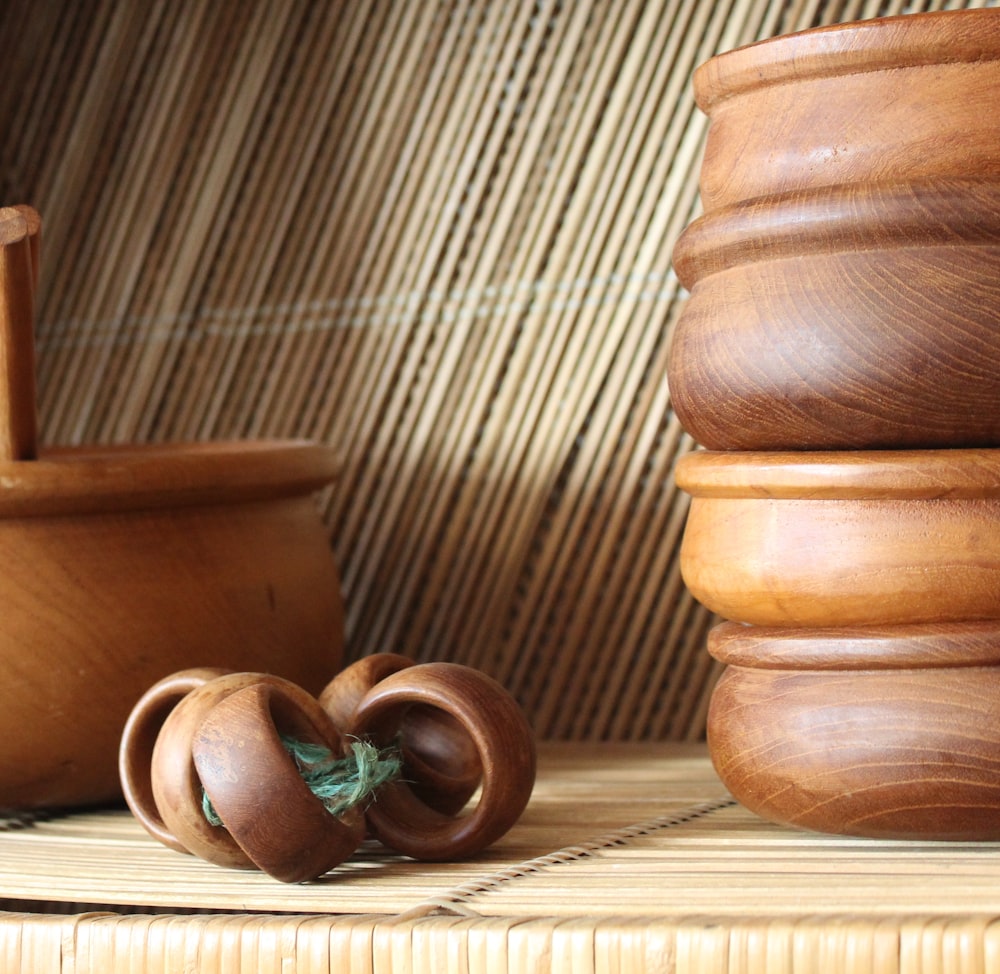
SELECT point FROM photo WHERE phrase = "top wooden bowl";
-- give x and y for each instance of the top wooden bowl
(899, 98)
(845, 275)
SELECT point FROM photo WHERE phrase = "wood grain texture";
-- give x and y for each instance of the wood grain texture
(138, 741)
(842, 560)
(506, 750)
(908, 645)
(844, 273)
(843, 474)
(898, 98)
(440, 761)
(257, 789)
(844, 318)
(176, 816)
(97, 608)
(886, 753)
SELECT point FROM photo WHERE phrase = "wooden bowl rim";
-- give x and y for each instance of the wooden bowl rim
(842, 218)
(927, 646)
(902, 41)
(99, 479)
(842, 475)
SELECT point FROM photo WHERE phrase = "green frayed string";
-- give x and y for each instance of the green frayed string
(340, 783)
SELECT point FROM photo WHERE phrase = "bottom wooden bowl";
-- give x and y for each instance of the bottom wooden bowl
(890, 732)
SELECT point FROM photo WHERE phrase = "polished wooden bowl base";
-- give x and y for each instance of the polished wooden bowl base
(900, 739)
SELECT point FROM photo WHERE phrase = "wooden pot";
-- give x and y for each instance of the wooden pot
(844, 539)
(122, 565)
(886, 732)
(893, 99)
(849, 317)
(844, 275)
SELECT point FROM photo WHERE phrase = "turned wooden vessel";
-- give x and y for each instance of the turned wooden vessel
(887, 732)
(890, 99)
(844, 275)
(844, 539)
(847, 317)
(124, 564)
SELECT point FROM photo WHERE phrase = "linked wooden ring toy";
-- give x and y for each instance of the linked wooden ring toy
(248, 770)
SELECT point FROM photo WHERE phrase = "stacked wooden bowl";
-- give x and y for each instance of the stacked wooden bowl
(839, 357)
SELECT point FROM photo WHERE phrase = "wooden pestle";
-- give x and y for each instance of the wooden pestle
(19, 238)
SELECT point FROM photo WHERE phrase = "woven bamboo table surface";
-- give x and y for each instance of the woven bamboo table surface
(631, 857)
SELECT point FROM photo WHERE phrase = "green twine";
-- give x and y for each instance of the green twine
(339, 783)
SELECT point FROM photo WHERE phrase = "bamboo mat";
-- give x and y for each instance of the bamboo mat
(630, 858)
(434, 234)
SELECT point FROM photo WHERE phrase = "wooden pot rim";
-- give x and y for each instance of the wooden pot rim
(831, 219)
(104, 479)
(842, 475)
(904, 41)
(928, 646)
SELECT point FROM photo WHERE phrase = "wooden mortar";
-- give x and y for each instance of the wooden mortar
(122, 565)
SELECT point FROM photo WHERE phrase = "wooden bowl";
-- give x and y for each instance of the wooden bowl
(885, 732)
(844, 539)
(124, 565)
(894, 99)
(845, 274)
(848, 317)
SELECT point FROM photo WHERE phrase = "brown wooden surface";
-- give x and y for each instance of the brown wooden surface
(843, 275)
(796, 559)
(912, 752)
(905, 99)
(94, 615)
(843, 474)
(19, 230)
(929, 645)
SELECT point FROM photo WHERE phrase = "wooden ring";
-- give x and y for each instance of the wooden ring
(257, 790)
(440, 759)
(135, 754)
(177, 788)
(503, 740)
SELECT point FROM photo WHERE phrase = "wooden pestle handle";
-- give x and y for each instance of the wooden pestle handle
(19, 239)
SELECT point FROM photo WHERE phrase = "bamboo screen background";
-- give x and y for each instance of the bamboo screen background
(436, 235)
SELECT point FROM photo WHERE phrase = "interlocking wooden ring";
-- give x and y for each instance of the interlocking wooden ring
(135, 755)
(440, 759)
(164, 784)
(502, 738)
(209, 732)
(257, 790)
